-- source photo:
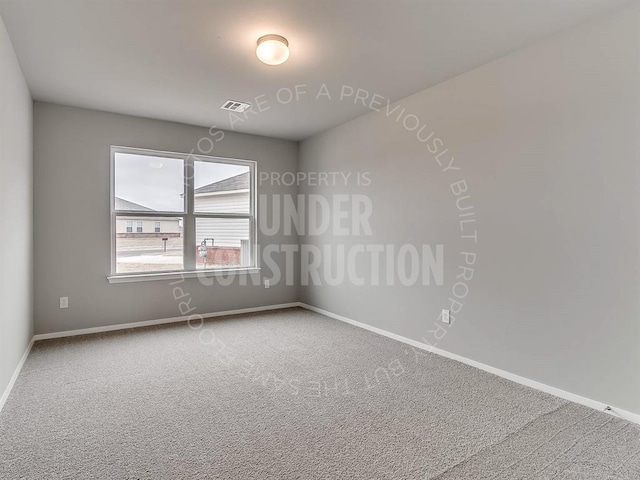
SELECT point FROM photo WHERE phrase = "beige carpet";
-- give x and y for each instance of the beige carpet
(290, 395)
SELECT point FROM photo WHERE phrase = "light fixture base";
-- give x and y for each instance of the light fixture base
(277, 38)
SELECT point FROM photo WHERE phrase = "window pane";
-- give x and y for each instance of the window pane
(145, 183)
(149, 251)
(222, 242)
(221, 188)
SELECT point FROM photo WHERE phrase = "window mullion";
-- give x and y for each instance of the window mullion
(189, 219)
(153, 214)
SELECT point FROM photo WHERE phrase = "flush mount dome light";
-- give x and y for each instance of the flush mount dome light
(272, 49)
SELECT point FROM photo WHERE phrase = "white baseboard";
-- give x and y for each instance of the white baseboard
(148, 323)
(572, 397)
(14, 377)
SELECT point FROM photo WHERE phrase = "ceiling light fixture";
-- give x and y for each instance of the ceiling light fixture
(272, 49)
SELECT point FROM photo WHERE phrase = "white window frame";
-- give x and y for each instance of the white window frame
(128, 226)
(157, 227)
(139, 226)
(188, 216)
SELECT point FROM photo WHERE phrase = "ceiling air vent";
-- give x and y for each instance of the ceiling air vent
(235, 106)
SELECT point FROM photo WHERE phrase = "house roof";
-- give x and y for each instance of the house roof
(239, 182)
(126, 205)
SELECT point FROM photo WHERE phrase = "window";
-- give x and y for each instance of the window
(203, 206)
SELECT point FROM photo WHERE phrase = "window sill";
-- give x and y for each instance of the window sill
(148, 277)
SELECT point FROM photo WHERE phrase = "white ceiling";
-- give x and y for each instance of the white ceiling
(181, 59)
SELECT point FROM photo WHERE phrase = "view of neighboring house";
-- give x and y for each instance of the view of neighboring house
(139, 227)
(230, 195)
(219, 241)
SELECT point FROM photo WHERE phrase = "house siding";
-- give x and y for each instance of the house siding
(225, 202)
(226, 232)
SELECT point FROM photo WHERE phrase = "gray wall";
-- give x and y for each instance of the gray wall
(72, 223)
(547, 140)
(16, 207)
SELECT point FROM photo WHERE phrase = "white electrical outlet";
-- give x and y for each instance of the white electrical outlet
(266, 284)
(64, 302)
(445, 316)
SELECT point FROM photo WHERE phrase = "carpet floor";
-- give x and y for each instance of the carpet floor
(290, 394)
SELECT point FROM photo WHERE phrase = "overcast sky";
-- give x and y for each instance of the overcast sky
(158, 182)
